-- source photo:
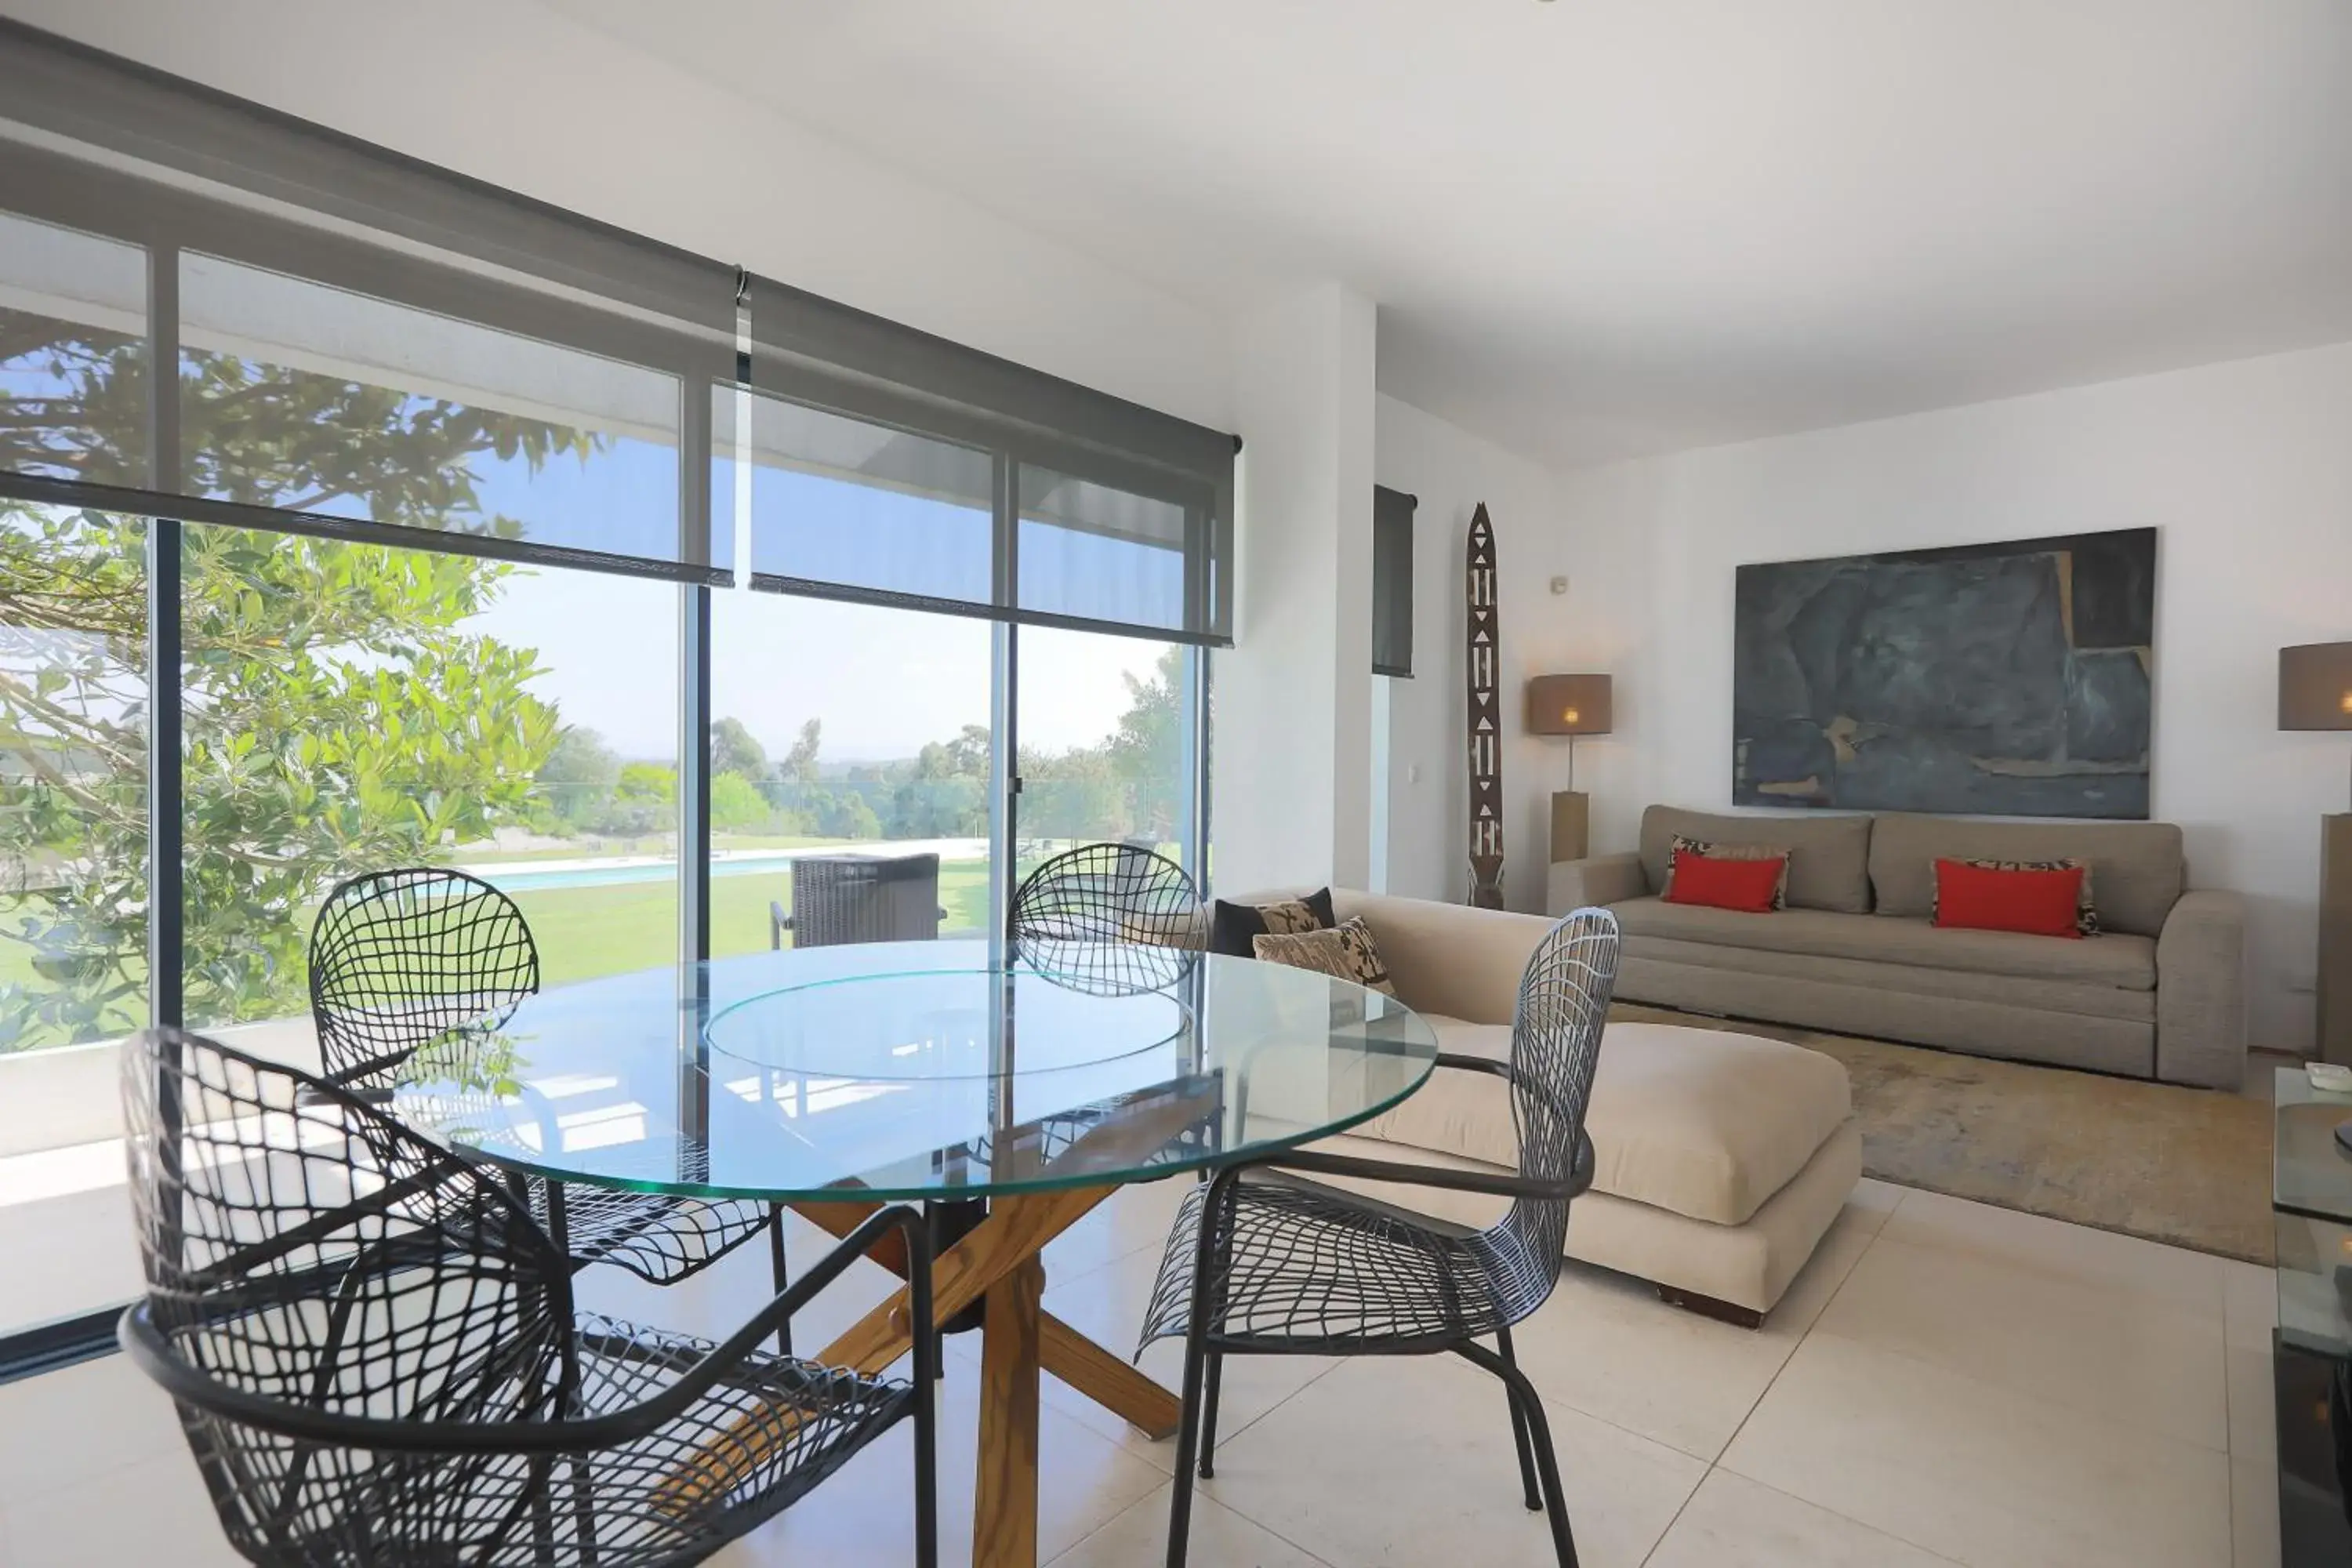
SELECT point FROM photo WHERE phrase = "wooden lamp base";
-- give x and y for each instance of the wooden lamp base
(1572, 826)
(2335, 998)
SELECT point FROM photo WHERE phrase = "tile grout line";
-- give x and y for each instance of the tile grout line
(1715, 1463)
(1812, 1328)
(2230, 1420)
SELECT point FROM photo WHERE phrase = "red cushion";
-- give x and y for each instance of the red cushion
(1745, 885)
(1977, 898)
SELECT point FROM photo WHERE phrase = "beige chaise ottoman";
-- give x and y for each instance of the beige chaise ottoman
(1721, 1159)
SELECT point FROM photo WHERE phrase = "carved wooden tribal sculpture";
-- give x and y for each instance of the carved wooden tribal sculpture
(1486, 721)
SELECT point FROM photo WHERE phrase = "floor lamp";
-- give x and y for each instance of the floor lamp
(2314, 692)
(1569, 705)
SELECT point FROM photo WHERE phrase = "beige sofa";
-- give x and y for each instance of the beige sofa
(1721, 1158)
(2160, 994)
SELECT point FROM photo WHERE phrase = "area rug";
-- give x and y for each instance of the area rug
(2190, 1167)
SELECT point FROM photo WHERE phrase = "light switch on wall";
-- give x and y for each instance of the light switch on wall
(1413, 773)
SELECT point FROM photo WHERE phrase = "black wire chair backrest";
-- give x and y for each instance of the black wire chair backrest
(399, 957)
(1109, 918)
(1555, 1049)
(307, 1258)
(1107, 892)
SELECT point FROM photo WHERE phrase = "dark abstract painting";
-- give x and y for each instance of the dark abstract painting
(2008, 679)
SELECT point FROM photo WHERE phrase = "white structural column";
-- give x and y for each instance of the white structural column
(1292, 746)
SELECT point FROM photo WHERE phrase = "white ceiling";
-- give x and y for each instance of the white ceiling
(1597, 228)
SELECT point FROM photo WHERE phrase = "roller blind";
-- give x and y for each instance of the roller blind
(358, 343)
(1393, 582)
(1116, 516)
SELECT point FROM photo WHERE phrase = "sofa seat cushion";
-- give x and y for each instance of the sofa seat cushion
(1920, 985)
(1701, 1123)
(2122, 961)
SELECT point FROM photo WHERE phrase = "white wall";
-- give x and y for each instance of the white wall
(1292, 792)
(1450, 471)
(2246, 470)
(515, 93)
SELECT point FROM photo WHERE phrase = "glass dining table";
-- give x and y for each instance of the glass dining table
(1011, 1090)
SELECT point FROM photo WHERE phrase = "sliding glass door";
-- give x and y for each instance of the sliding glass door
(388, 521)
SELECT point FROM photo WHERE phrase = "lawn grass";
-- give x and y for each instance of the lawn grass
(587, 932)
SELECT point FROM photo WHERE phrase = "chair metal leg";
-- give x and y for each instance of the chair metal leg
(1530, 1405)
(584, 1509)
(781, 1271)
(1196, 1359)
(1217, 1377)
(1529, 1486)
(927, 1442)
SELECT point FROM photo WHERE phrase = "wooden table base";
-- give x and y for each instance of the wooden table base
(997, 1264)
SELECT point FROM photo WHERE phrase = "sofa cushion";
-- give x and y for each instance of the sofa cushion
(1829, 857)
(1715, 864)
(2137, 870)
(1921, 987)
(1699, 1121)
(2128, 963)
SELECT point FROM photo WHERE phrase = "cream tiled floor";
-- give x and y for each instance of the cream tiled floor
(1945, 1384)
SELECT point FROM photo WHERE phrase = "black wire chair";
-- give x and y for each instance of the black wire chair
(375, 1357)
(401, 958)
(1115, 918)
(1282, 1266)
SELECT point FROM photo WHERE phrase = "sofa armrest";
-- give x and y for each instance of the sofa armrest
(2201, 991)
(1595, 880)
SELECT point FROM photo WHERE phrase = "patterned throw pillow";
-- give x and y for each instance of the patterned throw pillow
(1345, 952)
(1712, 851)
(2086, 914)
(1231, 925)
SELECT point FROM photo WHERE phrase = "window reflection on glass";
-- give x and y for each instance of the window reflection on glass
(73, 384)
(834, 500)
(1107, 750)
(845, 729)
(73, 776)
(353, 707)
(297, 396)
(1090, 550)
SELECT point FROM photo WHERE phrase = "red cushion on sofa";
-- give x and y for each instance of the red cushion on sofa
(1978, 898)
(1749, 886)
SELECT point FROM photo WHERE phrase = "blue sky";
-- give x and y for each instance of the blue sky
(883, 681)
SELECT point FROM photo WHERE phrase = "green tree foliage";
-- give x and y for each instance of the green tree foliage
(1147, 751)
(579, 775)
(656, 782)
(338, 715)
(799, 765)
(733, 750)
(736, 804)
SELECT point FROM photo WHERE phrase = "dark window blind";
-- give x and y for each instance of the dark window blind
(1391, 582)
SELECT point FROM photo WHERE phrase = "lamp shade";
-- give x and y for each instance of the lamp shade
(2315, 687)
(1568, 705)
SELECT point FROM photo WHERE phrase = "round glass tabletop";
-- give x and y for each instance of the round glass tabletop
(915, 1071)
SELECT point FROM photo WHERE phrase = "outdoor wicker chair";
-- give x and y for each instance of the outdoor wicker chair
(859, 898)
(1277, 1265)
(377, 1359)
(400, 958)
